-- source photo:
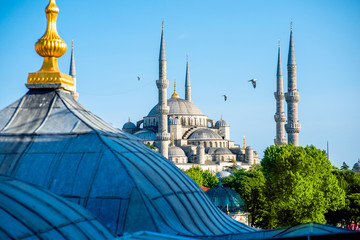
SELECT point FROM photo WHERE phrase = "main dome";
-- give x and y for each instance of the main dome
(179, 106)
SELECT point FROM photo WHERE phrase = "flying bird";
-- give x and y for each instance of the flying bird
(138, 78)
(253, 81)
(225, 97)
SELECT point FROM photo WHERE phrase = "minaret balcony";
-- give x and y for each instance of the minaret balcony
(162, 84)
(280, 142)
(279, 96)
(292, 127)
(292, 97)
(163, 136)
(280, 117)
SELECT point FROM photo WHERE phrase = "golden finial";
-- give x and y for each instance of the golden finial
(175, 95)
(173, 116)
(187, 57)
(129, 119)
(227, 209)
(221, 117)
(291, 25)
(279, 43)
(162, 25)
(244, 142)
(50, 46)
(172, 142)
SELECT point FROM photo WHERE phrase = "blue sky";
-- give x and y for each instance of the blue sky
(228, 42)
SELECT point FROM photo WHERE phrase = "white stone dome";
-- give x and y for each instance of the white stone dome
(204, 134)
(179, 106)
(176, 152)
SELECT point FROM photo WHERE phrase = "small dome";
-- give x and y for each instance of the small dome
(204, 134)
(222, 151)
(356, 167)
(176, 152)
(31, 212)
(223, 197)
(174, 121)
(221, 123)
(223, 174)
(146, 135)
(129, 125)
(179, 106)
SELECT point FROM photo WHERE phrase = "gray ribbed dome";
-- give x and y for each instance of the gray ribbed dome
(49, 139)
(204, 134)
(221, 123)
(179, 106)
(223, 197)
(33, 213)
(222, 151)
(146, 135)
(176, 152)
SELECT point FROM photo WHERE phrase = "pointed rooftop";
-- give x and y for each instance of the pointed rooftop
(187, 76)
(291, 56)
(162, 55)
(72, 70)
(279, 67)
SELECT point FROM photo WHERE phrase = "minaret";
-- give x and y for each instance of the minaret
(292, 97)
(162, 84)
(72, 71)
(187, 82)
(279, 96)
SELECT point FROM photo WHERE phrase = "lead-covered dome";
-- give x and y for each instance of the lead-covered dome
(220, 151)
(146, 135)
(30, 212)
(179, 106)
(176, 152)
(47, 138)
(204, 134)
(224, 198)
(221, 123)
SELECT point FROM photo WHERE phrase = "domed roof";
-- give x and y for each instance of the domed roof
(179, 106)
(223, 174)
(221, 123)
(49, 139)
(129, 125)
(146, 135)
(31, 212)
(222, 151)
(176, 152)
(204, 134)
(356, 167)
(223, 197)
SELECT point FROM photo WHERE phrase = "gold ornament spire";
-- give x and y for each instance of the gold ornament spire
(291, 25)
(175, 95)
(162, 25)
(129, 119)
(221, 118)
(244, 142)
(50, 46)
(172, 142)
(279, 43)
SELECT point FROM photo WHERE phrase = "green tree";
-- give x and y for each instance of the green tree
(349, 181)
(250, 185)
(201, 177)
(299, 185)
(344, 166)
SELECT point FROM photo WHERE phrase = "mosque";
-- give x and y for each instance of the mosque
(195, 138)
(68, 174)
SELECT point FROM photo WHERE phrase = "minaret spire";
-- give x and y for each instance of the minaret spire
(51, 47)
(279, 96)
(162, 84)
(187, 81)
(292, 97)
(72, 71)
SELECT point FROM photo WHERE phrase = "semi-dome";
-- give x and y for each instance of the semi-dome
(220, 151)
(224, 198)
(30, 212)
(146, 135)
(179, 106)
(176, 152)
(221, 123)
(204, 134)
(49, 139)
